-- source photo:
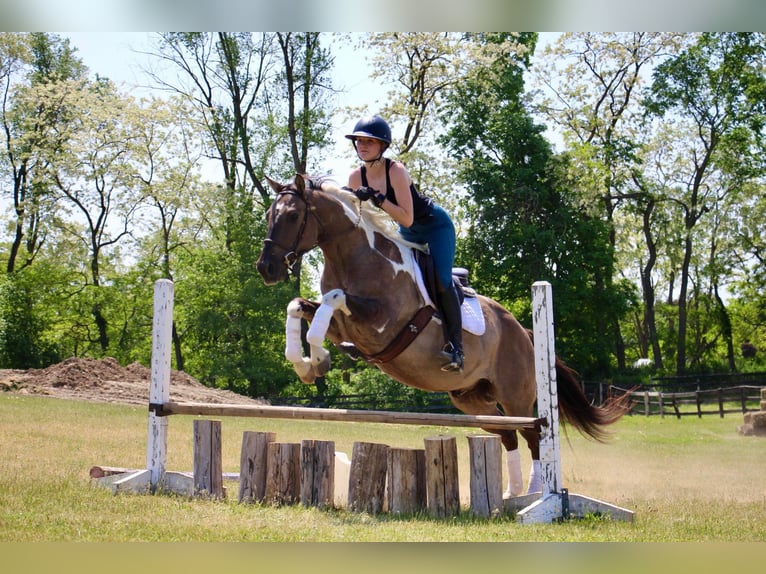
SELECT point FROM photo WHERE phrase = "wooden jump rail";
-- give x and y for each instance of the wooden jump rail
(348, 415)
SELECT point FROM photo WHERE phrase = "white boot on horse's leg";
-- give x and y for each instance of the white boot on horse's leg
(535, 478)
(515, 482)
(293, 346)
(320, 357)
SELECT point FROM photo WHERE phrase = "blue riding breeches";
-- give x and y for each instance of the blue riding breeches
(438, 231)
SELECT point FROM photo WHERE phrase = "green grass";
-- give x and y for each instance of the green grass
(686, 480)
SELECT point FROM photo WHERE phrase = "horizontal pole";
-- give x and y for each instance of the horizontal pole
(348, 415)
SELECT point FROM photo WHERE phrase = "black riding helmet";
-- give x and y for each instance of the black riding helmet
(371, 127)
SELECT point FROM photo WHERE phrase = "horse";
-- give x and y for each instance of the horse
(372, 295)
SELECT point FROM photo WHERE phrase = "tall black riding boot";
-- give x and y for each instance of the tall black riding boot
(450, 307)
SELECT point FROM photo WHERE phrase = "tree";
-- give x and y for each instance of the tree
(523, 227)
(92, 174)
(259, 98)
(30, 129)
(592, 94)
(717, 88)
(422, 68)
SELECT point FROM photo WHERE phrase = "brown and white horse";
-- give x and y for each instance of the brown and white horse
(371, 293)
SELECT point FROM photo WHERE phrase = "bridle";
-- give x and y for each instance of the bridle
(291, 255)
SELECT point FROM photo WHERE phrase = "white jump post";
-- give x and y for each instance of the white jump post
(159, 393)
(556, 503)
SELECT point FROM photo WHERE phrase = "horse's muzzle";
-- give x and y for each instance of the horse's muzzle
(272, 269)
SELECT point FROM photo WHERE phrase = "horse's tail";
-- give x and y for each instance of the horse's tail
(577, 410)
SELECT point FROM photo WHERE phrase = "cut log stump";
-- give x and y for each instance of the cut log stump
(252, 465)
(442, 485)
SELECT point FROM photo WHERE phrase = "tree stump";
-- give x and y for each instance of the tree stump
(367, 477)
(208, 467)
(317, 473)
(442, 485)
(406, 480)
(283, 473)
(486, 475)
(252, 465)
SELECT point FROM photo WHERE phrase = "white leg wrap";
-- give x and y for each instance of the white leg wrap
(293, 346)
(515, 483)
(331, 301)
(535, 478)
(335, 299)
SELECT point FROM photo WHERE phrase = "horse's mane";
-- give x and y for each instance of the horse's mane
(369, 215)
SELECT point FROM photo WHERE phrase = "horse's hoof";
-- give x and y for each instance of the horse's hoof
(350, 350)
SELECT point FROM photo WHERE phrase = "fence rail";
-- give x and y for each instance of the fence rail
(673, 396)
(721, 401)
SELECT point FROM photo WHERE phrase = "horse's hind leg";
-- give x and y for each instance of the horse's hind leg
(479, 400)
(535, 478)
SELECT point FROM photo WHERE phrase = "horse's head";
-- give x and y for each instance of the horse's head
(289, 234)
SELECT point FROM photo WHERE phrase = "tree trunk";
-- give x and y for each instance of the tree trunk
(683, 306)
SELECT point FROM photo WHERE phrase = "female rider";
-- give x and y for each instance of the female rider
(420, 219)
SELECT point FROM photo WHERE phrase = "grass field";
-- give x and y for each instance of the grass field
(692, 480)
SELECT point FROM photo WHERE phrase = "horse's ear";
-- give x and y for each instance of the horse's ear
(300, 183)
(276, 186)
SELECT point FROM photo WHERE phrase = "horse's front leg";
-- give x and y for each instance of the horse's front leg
(297, 310)
(320, 357)
(319, 316)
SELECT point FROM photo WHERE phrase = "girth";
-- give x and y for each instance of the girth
(403, 339)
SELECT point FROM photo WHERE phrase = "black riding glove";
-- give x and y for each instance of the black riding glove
(364, 193)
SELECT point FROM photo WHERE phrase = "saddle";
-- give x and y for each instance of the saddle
(431, 280)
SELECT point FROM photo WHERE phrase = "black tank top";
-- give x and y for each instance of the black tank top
(421, 205)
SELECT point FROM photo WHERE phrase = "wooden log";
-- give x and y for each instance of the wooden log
(486, 482)
(283, 473)
(317, 473)
(208, 466)
(349, 415)
(252, 465)
(367, 477)
(406, 480)
(442, 485)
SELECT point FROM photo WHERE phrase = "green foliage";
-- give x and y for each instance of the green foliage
(526, 213)
(23, 325)
(231, 322)
(524, 226)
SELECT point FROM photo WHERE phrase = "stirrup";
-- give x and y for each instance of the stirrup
(455, 362)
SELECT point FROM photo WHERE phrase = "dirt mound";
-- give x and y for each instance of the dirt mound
(105, 380)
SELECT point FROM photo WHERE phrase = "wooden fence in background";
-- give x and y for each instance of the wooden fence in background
(716, 394)
(720, 401)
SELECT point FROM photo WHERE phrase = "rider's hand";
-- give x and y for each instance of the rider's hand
(364, 193)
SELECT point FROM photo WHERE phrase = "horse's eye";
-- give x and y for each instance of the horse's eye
(292, 216)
